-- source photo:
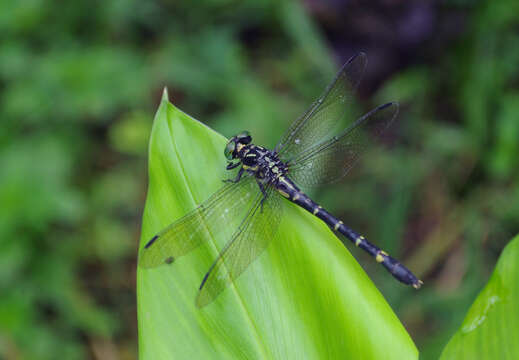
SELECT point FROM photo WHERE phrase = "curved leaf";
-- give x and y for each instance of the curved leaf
(491, 328)
(304, 298)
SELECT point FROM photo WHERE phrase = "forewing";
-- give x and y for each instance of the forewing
(332, 159)
(220, 213)
(321, 119)
(252, 237)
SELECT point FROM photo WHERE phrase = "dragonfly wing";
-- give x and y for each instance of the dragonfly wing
(223, 210)
(251, 238)
(333, 158)
(321, 119)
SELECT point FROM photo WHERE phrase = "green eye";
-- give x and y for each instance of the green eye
(243, 134)
(229, 149)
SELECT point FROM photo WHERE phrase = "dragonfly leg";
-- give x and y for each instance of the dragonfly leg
(236, 179)
(231, 166)
(263, 191)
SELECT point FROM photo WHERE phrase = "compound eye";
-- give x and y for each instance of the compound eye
(244, 137)
(229, 149)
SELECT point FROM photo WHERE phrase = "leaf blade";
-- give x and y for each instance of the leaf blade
(286, 305)
(491, 327)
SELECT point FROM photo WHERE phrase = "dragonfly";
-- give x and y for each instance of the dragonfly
(248, 208)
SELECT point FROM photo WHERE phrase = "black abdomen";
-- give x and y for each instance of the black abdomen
(289, 190)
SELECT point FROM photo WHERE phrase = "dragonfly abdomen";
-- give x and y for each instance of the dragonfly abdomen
(289, 190)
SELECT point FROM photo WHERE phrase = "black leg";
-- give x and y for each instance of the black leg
(262, 188)
(231, 166)
(237, 178)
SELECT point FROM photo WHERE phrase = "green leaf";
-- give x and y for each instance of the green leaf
(304, 298)
(491, 328)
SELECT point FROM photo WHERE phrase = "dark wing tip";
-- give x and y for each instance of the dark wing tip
(204, 280)
(146, 260)
(149, 243)
(354, 69)
(203, 298)
(393, 103)
(395, 108)
(360, 58)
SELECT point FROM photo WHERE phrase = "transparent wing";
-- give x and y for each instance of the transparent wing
(250, 239)
(220, 213)
(323, 116)
(333, 158)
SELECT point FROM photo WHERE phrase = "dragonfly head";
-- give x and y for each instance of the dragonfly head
(236, 143)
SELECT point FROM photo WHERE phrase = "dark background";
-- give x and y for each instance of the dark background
(80, 82)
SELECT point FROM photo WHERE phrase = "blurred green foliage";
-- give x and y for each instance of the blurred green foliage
(79, 85)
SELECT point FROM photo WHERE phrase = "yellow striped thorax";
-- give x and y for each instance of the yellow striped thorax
(263, 163)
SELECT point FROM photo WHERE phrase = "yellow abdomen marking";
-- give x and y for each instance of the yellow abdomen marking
(283, 193)
(336, 227)
(380, 256)
(359, 240)
(316, 210)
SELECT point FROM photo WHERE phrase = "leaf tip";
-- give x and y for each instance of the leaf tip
(165, 94)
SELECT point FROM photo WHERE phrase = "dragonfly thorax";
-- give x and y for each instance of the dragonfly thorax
(262, 162)
(257, 160)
